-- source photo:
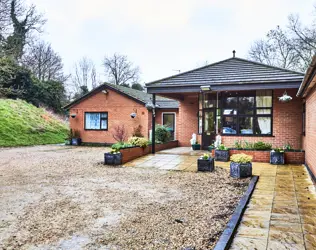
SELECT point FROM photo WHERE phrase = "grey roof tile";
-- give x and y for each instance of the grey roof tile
(230, 71)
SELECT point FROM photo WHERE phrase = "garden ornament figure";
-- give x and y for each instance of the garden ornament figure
(218, 141)
(193, 140)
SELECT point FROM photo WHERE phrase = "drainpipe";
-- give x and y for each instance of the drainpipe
(216, 113)
(153, 139)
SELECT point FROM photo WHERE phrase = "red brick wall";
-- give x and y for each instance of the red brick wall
(119, 108)
(188, 120)
(287, 123)
(310, 133)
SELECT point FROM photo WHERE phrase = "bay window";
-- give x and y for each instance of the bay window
(96, 121)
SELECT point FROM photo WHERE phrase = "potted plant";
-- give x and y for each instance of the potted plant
(196, 146)
(240, 166)
(221, 153)
(211, 147)
(206, 163)
(113, 158)
(277, 156)
(76, 140)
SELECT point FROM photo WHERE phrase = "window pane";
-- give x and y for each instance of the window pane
(104, 115)
(230, 112)
(200, 122)
(104, 124)
(263, 126)
(92, 120)
(246, 125)
(229, 125)
(209, 126)
(246, 104)
(230, 102)
(168, 121)
(264, 98)
(263, 111)
(209, 101)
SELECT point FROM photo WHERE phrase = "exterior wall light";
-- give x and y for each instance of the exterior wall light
(104, 92)
(206, 88)
(73, 115)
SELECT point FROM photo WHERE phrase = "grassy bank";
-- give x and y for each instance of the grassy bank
(22, 124)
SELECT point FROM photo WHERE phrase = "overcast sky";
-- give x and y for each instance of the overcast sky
(161, 36)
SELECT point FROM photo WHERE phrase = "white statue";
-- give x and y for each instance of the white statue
(193, 140)
(218, 141)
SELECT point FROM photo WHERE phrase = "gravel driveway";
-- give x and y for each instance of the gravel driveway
(58, 197)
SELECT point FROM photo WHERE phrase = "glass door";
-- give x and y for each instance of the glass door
(209, 127)
(168, 120)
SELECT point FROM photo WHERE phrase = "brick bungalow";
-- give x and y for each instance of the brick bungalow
(237, 98)
(96, 114)
(307, 91)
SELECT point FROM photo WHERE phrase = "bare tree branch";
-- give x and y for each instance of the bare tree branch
(120, 71)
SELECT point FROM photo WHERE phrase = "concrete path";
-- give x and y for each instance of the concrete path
(281, 213)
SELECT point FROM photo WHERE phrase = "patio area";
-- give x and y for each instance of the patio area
(281, 212)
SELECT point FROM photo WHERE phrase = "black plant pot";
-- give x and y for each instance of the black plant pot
(277, 158)
(206, 165)
(221, 155)
(240, 170)
(68, 142)
(112, 159)
(210, 148)
(76, 141)
(196, 146)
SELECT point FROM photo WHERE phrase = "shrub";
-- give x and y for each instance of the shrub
(119, 133)
(287, 146)
(222, 147)
(278, 150)
(206, 156)
(138, 131)
(138, 141)
(162, 134)
(120, 145)
(238, 144)
(241, 158)
(248, 145)
(262, 146)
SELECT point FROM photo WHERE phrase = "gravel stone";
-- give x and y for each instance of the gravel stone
(61, 197)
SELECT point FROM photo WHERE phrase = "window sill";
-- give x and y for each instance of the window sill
(236, 135)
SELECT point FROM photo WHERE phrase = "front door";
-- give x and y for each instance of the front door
(209, 127)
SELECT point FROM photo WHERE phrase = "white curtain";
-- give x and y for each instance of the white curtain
(265, 125)
(92, 121)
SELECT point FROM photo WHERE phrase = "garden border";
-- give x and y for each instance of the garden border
(132, 153)
(229, 232)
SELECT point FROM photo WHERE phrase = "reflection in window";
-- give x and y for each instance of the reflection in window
(246, 125)
(229, 125)
(246, 105)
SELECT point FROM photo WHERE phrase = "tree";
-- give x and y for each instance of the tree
(137, 86)
(84, 76)
(22, 29)
(120, 71)
(291, 47)
(44, 62)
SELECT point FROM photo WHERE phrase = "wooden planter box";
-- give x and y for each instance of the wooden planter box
(112, 159)
(196, 146)
(277, 158)
(206, 165)
(240, 170)
(221, 155)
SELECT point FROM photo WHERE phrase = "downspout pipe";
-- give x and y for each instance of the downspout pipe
(153, 125)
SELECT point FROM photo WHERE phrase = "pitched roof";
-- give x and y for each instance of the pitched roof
(230, 71)
(136, 95)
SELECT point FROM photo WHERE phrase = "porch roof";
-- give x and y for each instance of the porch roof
(230, 74)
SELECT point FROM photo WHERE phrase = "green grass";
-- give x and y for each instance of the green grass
(22, 124)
